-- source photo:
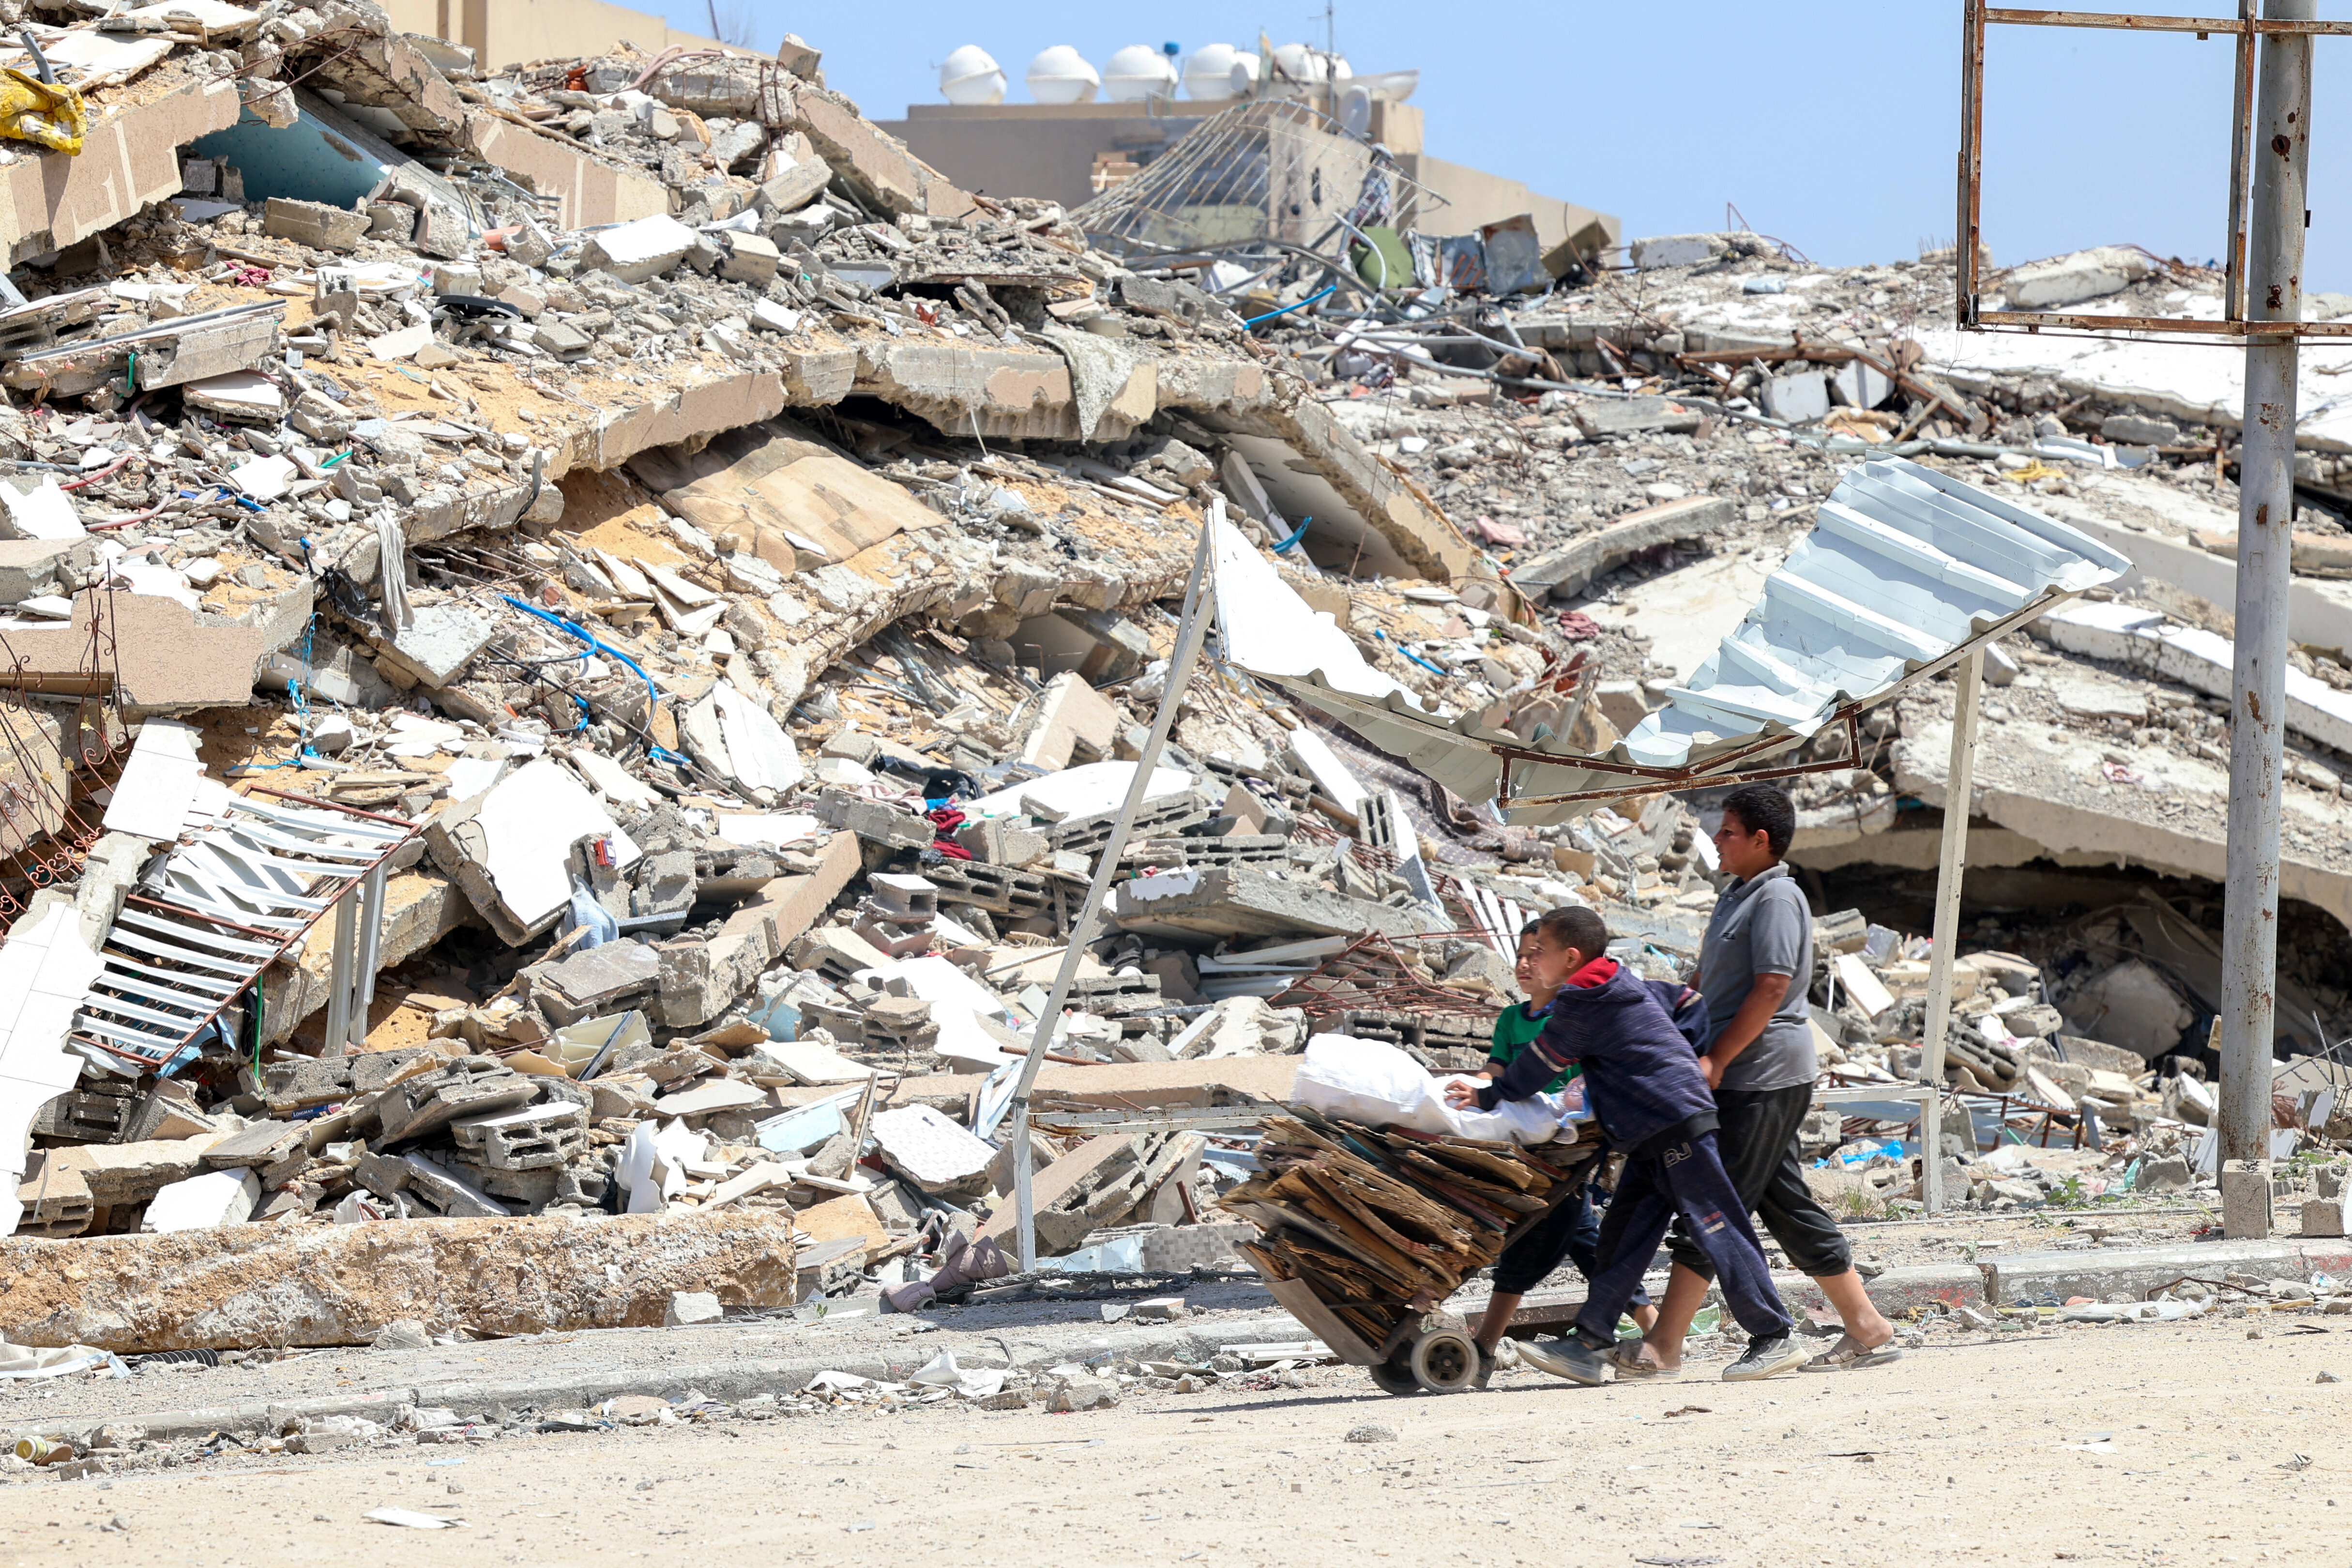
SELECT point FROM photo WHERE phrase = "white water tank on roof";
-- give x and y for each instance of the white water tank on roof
(972, 76)
(1305, 63)
(1209, 72)
(1137, 73)
(1061, 75)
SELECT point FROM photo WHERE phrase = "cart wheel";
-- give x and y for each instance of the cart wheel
(1444, 1361)
(1394, 1377)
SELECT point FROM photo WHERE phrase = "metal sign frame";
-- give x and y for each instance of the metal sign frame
(2234, 325)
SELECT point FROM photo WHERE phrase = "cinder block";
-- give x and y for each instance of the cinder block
(314, 224)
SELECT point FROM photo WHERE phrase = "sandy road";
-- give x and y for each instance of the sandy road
(2156, 1444)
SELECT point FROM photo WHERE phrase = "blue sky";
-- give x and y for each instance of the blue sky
(1831, 124)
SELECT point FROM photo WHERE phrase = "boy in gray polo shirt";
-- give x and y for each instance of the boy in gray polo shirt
(1756, 964)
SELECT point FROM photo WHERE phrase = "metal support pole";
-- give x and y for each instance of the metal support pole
(1960, 791)
(1190, 632)
(2281, 143)
(371, 951)
(339, 979)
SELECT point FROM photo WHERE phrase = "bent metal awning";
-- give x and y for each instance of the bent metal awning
(1905, 572)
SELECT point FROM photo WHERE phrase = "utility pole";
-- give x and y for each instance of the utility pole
(2281, 152)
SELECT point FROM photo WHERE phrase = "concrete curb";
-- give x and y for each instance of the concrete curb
(732, 1380)
(2094, 1272)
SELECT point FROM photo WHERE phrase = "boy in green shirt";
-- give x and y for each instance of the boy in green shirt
(1571, 1232)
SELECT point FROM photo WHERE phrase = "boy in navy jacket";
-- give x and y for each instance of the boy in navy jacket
(1642, 1078)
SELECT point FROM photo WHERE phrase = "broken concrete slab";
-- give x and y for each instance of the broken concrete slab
(209, 1201)
(588, 189)
(1564, 573)
(1366, 514)
(2072, 278)
(170, 353)
(1067, 714)
(2199, 659)
(226, 1289)
(165, 657)
(511, 849)
(601, 979)
(469, 1086)
(129, 158)
(642, 248)
(437, 644)
(1203, 907)
(314, 224)
(774, 483)
(46, 968)
(701, 979)
(1060, 1179)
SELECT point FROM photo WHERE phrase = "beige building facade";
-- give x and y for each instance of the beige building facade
(512, 32)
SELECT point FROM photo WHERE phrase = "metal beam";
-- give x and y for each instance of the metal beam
(1190, 632)
(1951, 870)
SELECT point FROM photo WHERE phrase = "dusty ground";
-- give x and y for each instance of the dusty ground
(2136, 1444)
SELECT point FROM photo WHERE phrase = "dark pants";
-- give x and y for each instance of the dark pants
(1757, 1133)
(1570, 1233)
(1684, 1179)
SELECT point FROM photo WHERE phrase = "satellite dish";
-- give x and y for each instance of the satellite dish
(971, 76)
(1356, 111)
(1061, 75)
(1244, 79)
(1137, 73)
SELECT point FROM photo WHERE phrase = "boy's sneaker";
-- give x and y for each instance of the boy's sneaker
(1767, 1358)
(1569, 1358)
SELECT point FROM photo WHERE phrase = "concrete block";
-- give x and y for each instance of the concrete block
(314, 224)
(2245, 1199)
(469, 1086)
(999, 841)
(585, 985)
(2323, 1216)
(1063, 1179)
(1067, 714)
(685, 1309)
(873, 821)
(643, 248)
(1860, 386)
(562, 341)
(1678, 250)
(208, 1202)
(748, 258)
(439, 643)
(2070, 279)
(793, 188)
(533, 1137)
(1598, 419)
(1798, 397)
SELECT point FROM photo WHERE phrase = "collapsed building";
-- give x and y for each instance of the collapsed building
(576, 635)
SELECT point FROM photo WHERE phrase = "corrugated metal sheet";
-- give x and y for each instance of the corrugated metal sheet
(1904, 570)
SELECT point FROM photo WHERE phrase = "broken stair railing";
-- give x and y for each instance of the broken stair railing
(237, 894)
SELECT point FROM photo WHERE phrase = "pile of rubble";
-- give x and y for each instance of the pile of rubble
(480, 758)
(579, 691)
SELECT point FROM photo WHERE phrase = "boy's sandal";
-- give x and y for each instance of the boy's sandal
(1626, 1359)
(1851, 1352)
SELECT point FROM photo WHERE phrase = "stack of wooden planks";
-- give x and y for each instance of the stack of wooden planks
(1383, 1222)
